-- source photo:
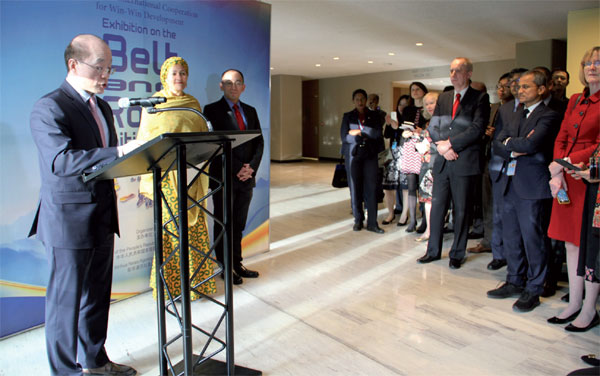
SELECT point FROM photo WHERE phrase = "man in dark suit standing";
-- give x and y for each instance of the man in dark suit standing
(74, 132)
(457, 125)
(230, 114)
(526, 147)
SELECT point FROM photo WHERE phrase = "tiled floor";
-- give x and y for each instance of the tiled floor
(331, 301)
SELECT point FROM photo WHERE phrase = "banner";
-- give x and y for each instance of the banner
(211, 35)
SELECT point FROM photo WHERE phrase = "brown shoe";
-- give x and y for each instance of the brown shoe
(478, 249)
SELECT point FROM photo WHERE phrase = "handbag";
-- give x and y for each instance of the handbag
(383, 157)
(340, 178)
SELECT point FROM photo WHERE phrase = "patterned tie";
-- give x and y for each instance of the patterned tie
(455, 105)
(239, 118)
(93, 109)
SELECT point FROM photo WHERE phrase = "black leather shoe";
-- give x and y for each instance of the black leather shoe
(426, 259)
(573, 328)
(386, 222)
(448, 230)
(526, 302)
(422, 227)
(357, 227)
(474, 235)
(591, 360)
(111, 368)
(565, 298)
(496, 264)
(245, 273)
(505, 291)
(556, 320)
(400, 224)
(237, 280)
(376, 229)
(548, 291)
(454, 263)
(410, 229)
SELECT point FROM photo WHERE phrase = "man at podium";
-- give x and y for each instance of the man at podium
(230, 114)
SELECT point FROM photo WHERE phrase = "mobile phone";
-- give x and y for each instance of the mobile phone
(394, 116)
(567, 165)
(563, 197)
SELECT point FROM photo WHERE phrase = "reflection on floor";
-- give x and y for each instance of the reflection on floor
(331, 301)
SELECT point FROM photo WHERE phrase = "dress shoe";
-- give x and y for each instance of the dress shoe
(591, 360)
(548, 291)
(556, 320)
(526, 302)
(376, 229)
(237, 280)
(496, 264)
(448, 230)
(426, 259)
(357, 226)
(505, 291)
(573, 328)
(422, 227)
(474, 235)
(478, 249)
(455, 263)
(410, 229)
(400, 224)
(565, 298)
(111, 368)
(245, 273)
(386, 222)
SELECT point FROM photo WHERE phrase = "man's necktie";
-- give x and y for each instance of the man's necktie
(525, 112)
(455, 105)
(93, 109)
(239, 118)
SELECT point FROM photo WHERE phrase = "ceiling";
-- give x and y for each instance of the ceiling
(308, 32)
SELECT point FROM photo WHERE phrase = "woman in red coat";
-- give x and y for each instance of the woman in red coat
(576, 141)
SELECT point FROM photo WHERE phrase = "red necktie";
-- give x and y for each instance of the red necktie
(93, 107)
(239, 118)
(455, 105)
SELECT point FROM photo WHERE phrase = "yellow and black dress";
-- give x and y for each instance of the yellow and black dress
(152, 125)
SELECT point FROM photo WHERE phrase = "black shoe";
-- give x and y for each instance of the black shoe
(426, 259)
(505, 291)
(448, 230)
(111, 368)
(398, 211)
(385, 222)
(237, 280)
(548, 291)
(573, 328)
(454, 263)
(376, 229)
(410, 228)
(526, 302)
(422, 227)
(245, 273)
(556, 320)
(591, 360)
(496, 264)
(474, 235)
(565, 298)
(357, 226)
(400, 224)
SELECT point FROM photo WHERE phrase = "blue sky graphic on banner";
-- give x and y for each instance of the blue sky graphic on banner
(210, 35)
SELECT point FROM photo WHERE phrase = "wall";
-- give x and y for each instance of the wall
(286, 118)
(583, 33)
(549, 53)
(336, 94)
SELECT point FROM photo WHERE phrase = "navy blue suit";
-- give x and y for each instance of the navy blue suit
(526, 194)
(360, 153)
(76, 221)
(455, 179)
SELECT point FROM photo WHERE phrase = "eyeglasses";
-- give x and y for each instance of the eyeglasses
(588, 64)
(230, 83)
(505, 87)
(99, 70)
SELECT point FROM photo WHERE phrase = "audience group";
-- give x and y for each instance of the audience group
(520, 174)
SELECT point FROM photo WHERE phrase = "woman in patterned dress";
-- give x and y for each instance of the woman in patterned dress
(173, 76)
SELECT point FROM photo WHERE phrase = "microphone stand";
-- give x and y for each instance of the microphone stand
(153, 110)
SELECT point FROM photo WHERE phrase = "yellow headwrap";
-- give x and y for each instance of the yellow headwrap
(164, 70)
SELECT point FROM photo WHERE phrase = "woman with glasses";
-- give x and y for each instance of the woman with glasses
(576, 141)
(173, 77)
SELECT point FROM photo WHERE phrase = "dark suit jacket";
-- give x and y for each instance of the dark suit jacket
(505, 116)
(71, 213)
(370, 137)
(531, 174)
(465, 131)
(223, 119)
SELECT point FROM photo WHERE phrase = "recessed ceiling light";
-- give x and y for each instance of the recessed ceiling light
(336, 58)
(317, 65)
(391, 53)
(418, 44)
(370, 62)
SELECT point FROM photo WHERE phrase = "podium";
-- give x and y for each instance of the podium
(180, 152)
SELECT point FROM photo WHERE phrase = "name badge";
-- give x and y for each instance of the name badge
(512, 166)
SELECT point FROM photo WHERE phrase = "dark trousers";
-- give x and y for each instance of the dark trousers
(448, 187)
(77, 304)
(497, 206)
(363, 187)
(240, 205)
(524, 241)
(487, 207)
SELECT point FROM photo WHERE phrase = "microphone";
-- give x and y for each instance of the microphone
(144, 102)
